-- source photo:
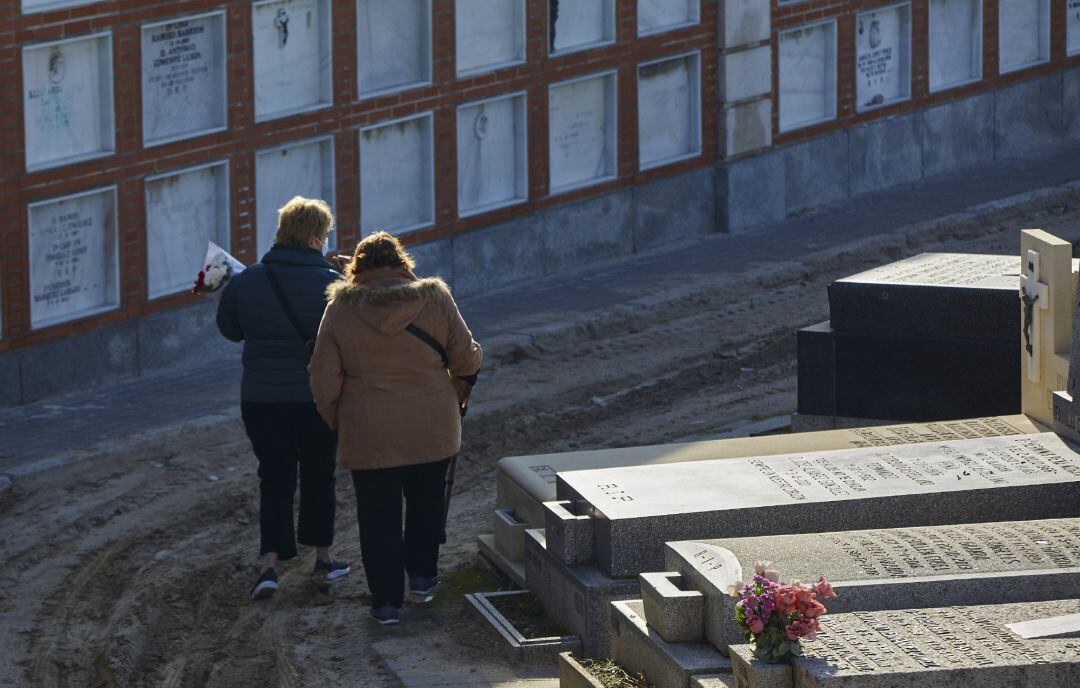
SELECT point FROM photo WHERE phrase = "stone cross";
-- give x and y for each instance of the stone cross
(1046, 289)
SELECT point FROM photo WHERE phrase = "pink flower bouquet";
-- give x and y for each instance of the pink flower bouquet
(775, 616)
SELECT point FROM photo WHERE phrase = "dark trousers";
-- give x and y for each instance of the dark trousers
(288, 437)
(378, 510)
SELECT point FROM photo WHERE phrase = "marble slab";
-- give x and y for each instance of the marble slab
(490, 34)
(807, 75)
(1072, 24)
(397, 191)
(291, 51)
(184, 211)
(874, 570)
(955, 42)
(492, 155)
(579, 24)
(1023, 33)
(654, 16)
(394, 43)
(582, 132)
(669, 110)
(68, 100)
(183, 78)
(883, 56)
(29, 6)
(73, 257)
(302, 169)
(621, 516)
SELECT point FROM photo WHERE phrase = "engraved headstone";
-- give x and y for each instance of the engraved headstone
(73, 257)
(926, 648)
(184, 211)
(394, 43)
(1023, 33)
(291, 53)
(955, 42)
(655, 16)
(807, 73)
(301, 169)
(183, 78)
(397, 175)
(883, 56)
(579, 24)
(491, 154)
(490, 34)
(669, 110)
(581, 121)
(68, 100)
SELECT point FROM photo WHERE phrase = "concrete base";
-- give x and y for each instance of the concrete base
(515, 570)
(665, 665)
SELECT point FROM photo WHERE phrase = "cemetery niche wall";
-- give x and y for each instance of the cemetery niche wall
(655, 16)
(301, 169)
(669, 110)
(291, 54)
(807, 75)
(490, 34)
(394, 42)
(1072, 27)
(582, 126)
(579, 24)
(956, 50)
(397, 169)
(883, 56)
(492, 153)
(1023, 33)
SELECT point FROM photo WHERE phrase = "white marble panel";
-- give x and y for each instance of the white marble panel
(73, 257)
(669, 110)
(1072, 21)
(807, 70)
(955, 42)
(490, 34)
(491, 153)
(394, 41)
(578, 24)
(1023, 33)
(582, 131)
(292, 56)
(68, 100)
(183, 78)
(654, 16)
(397, 170)
(303, 169)
(29, 6)
(882, 56)
(184, 211)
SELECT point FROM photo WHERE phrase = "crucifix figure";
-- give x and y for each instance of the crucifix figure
(1033, 294)
(281, 23)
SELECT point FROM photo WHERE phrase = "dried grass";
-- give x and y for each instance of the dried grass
(611, 675)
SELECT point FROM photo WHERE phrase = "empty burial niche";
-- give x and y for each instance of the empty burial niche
(807, 64)
(883, 57)
(397, 191)
(955, 43)
(297, 169)
(656, 16)
(579, 24)
(1072, 27)
(669, 110)
(393, 40)
(1023, 33)
(492, 154)
(490, 35)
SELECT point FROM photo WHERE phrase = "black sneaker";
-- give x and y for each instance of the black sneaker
(387, 615)
(266, 586)
(331, 570)
(423, 587)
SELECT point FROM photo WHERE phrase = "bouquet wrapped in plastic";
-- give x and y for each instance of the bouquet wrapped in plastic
(218, 268)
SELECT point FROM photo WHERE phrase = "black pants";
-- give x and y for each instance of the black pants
(378, 510)
(286, 437)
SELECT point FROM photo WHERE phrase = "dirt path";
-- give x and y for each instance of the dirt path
(133, 570)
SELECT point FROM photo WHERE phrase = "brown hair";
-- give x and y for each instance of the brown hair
(303, 218)
(379, 250)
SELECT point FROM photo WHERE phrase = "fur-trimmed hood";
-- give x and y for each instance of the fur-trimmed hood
(388, 302)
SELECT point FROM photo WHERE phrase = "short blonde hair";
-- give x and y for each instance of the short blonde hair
(379, 250)
(303, 218)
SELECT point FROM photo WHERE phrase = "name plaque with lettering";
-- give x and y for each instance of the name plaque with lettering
(669, 111)
(581, 122)
(883, 56)
(300, 169)
(292, 56)
(397, 173)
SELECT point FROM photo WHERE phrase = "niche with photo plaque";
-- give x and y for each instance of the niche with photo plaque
(394, 44)
(582, 132)
(955, 43)
(297, 169)
(656, 16)
(492, 154)
(807, 75)
(292, 57)
(490, 34)
(669, 110)
(397, 172)
(579, 24)
(1023, 34)
(882, 57)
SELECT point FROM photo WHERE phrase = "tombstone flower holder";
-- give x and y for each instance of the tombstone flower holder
(776, 616)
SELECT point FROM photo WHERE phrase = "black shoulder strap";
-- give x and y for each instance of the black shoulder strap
(276, 286)
(430, 341)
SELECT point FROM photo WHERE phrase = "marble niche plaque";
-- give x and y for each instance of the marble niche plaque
(1023, 33)
(582, 132)
(29, 6)
(184, 210)
(397, 191)
(883, 56)
(292, 56)
(579, 24)
(490, 34)
(807, 64)
(955, 42)
(654, 16)
(492, 154)
(1072, 23)
(394, 42)
(298, 169)
(669, 110)
(68, 101)
(73, 257)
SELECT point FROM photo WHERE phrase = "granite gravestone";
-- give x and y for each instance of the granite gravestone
(68, 100)
(73, 257)
(303, 169)
(184, 211)
(183, 78)
(669, 110)
(397, 170)
(926, 648)
(882, 56)
(955, 43)
(582, 145)
(394, 43)
(579, 24)
(492, 154)
(490, 34)
(654, 16)
(291, 54)
(806, 59)
(1023, 33)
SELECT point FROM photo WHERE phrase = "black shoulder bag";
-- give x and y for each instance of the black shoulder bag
(309, 342)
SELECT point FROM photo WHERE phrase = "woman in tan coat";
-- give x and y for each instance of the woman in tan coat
(396, 409)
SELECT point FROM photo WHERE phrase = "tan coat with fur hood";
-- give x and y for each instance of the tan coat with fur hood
(384, 390)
